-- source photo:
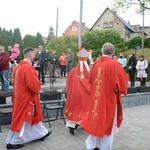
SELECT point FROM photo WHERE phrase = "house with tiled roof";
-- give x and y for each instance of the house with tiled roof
(110, 20)
(73, 28)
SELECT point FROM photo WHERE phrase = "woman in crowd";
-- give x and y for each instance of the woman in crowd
(63, 64)
(132, 68)
(142, 64)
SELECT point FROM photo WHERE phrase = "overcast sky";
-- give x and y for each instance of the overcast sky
(32, 16)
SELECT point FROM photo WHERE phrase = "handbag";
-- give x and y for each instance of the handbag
(147, 70)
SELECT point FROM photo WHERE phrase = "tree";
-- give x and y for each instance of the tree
(125, 4)
(29, 41)
(6, 38)
(39, 39)
(96, 38)
(51, 33)
(17, 37)
(60, 44)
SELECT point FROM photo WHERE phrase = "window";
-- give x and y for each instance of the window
(111, 24)
(98, 25)
(74, 28)
(105, 25)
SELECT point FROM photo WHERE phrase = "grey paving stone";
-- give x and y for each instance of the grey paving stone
(134, 134)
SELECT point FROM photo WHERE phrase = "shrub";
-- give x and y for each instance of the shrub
(133, 43)
(147, 43)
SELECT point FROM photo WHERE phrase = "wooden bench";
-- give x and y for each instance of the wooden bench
(4, 95)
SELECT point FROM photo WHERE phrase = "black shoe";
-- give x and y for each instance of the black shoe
(48, 134)
(76, 126)
(96, 148)
(71, 130)
(16, 146)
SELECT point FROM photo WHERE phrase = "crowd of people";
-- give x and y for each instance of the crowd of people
(44, 62)
(132, 66)
(95, 105)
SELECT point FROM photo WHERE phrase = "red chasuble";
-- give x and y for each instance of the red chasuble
(78, 94)
(108, 80)
(26, 103)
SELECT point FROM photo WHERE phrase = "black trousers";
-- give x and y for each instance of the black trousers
(143, 81)
(41, 73)
(132, 78)
(63, 70)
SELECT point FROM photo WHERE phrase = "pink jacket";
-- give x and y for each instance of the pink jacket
(15, 52)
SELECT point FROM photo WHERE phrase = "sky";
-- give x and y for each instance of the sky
(32, 16)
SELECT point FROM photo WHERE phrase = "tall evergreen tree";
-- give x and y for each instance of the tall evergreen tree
(51, 33)
(6, 38)
(39, 39)
(29, 41)
(10, 35)
(2, 37)
(17, 37)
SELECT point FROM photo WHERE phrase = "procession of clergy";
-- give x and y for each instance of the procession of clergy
(93, 100)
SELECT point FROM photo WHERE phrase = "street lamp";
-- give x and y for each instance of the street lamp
(143, 28)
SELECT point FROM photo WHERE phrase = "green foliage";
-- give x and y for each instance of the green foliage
(29, 41)
(39, 39)
(17, 37)
(96, 38)
(61, 44)
(123, 5)
(121, 47)
(8, 38)
(51, 33)
(133, 43)
(147, 42)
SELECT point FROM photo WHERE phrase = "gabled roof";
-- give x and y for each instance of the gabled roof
(77, 23)
(122, 20)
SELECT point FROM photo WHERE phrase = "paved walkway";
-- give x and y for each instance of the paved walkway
(134, 133)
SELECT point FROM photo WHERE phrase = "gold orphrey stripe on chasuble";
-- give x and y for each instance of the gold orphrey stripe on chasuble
(97, 93)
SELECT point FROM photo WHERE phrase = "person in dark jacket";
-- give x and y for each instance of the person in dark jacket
(41, 63)
(132, 69)
(70, 59)
(47, 62)
(53, 62)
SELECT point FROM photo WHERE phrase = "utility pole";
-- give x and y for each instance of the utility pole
(143, 28)
(80, 25)
(57, 23)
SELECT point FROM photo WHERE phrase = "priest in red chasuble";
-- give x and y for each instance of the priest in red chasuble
(78, 91)
(108, 81)
(26, 124)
